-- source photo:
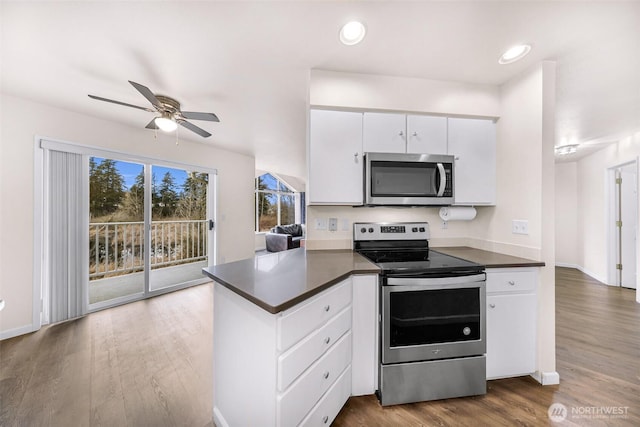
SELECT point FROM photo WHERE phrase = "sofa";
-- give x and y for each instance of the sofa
(284, 237)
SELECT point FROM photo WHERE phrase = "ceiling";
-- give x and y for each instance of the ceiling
(249, 62)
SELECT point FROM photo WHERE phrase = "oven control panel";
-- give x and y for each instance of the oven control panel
(390, 231)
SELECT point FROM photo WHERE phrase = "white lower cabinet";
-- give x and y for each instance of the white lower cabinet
(511, 322)
(286, 369)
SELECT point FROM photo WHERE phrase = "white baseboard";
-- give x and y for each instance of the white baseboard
(546, 378)
(26, 329)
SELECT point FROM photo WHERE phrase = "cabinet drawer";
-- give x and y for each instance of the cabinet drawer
(511, 281)
(329, 406)
(299, 321)
(298, 358)
(303, 394)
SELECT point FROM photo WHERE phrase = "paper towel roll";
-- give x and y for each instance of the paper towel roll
(457, 213)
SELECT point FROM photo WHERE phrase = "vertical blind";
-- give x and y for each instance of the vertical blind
(67, 269)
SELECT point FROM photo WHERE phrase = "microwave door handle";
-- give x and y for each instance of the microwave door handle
(443, 179)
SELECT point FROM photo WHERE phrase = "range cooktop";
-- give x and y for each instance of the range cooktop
(403, 249)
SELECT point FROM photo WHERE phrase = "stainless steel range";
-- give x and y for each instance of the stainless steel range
(432, 315)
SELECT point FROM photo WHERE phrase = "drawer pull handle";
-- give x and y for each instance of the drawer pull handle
(512, 283)
(327, 307)
(326, 375)
(325, 419)
(327, 340)
(492, 305)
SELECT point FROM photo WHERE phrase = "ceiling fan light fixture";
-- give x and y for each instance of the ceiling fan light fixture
(166, 124)
(514, 54)
(352, 33)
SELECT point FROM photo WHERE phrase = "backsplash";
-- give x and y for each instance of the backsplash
(454, 235)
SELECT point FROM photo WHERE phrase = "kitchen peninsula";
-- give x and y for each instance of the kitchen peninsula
(294, 336)
(295, 332)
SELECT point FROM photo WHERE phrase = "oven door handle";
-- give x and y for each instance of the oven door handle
(443, 180)
(435, 281)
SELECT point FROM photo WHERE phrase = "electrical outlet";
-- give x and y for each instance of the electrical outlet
(321, 223)
(333, 224)
(445, 225)
(520, 226)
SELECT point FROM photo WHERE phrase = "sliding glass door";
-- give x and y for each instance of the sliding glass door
(149, 229)
(179, 226)
(116, 230)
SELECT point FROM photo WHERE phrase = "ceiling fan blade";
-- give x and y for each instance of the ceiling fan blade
(193, 128)
(192, 115)
(146, 92)
(152, 124)
(121, 103)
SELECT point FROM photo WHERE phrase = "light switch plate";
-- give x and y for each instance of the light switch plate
(321, 223)
(520, 226)
(333, 224)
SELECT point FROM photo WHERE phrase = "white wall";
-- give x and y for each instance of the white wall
(375, 92)
(566, 213)
(22, 120)
(525, 170)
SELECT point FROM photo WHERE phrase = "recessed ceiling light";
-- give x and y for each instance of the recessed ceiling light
(352, 33)
(514, 54)
(563, 150)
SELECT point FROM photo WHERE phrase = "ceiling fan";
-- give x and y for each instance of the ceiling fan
(170, 114)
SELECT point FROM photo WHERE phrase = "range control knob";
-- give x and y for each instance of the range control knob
(371, 230)
(414, 229)
(422, 229)
(363, 230)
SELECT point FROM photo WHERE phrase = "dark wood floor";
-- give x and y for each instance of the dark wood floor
(149, 364)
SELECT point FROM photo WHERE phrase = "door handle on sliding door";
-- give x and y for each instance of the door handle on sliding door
(212, 224)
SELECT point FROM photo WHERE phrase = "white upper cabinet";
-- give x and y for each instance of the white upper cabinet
(400, 133)
(473, 143)
(384, 133)
(335, 158)
(427, 134)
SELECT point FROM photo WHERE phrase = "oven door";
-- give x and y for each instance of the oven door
(432, 318)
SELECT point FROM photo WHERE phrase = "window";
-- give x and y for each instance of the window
(276, 203)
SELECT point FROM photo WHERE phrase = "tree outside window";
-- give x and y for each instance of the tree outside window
(275, 203)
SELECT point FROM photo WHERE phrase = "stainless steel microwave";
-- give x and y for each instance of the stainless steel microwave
(397, 179)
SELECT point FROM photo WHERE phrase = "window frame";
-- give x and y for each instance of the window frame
(278, 193)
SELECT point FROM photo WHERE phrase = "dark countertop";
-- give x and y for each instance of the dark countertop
(278, 281)
(487, 258)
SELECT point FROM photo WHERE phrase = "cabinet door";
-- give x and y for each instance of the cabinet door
(384, 133)
(335, 157)
(473, 143)
(511, 335)
(427, 134)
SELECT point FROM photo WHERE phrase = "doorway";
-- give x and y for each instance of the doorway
(623, 208)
